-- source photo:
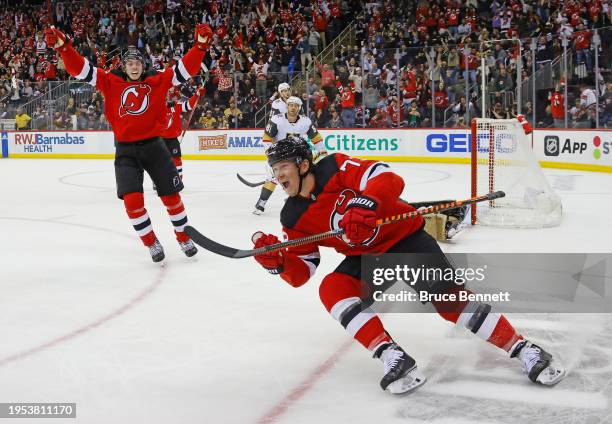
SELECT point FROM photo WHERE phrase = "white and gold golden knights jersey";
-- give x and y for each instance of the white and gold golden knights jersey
(279, 128)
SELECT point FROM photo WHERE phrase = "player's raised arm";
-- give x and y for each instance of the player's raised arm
(76, 65)
(189, 65)
(295, 265)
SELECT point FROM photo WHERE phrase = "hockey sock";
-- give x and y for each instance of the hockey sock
(266, 192)
(480, 320)
(340, 295)
(176, 210)
(134, 206)
(178, 162)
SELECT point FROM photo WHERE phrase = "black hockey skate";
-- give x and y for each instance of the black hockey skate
(401, 374)
(259, 207)
(188, 248)
(537, 363)
(157, 251)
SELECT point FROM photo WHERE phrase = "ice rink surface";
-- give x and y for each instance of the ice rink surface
(86, 317)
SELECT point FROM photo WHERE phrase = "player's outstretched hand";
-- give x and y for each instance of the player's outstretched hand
(55, 38)
(359, 221)
(203, 36)
(272, 261)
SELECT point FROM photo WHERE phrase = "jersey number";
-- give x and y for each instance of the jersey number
(347, 162)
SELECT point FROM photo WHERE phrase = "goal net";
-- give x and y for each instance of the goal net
(502, 159)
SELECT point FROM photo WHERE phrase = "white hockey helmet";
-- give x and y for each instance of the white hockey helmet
(294, 100)
(283, 86)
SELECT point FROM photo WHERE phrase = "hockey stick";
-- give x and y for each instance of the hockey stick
(205, 69)
(231, 252)
(250, 184)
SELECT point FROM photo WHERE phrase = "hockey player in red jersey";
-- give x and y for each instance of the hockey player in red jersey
(174, 126)
(135, 107)
(342, 192)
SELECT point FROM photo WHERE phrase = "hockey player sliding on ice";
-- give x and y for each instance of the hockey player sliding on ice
(174, 126)
(351, 194)
(290, 124)
(135, 106)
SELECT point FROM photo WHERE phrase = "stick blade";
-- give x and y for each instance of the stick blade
(212, 246)
(248, 183)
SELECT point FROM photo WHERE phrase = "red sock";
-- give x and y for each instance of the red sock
(176, 210)
(134, 206)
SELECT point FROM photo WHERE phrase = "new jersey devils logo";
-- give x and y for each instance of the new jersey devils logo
(134, 100)
(338, 213)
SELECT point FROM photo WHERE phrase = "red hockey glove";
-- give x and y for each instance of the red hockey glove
(203, 36)
(359, 221)
(272, 261)
(526, 126)
(55, 38)
(201, 92)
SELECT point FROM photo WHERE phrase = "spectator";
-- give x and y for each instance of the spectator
(335, 121)
(348, 106)
(208, 121)
(22, 120)
(557, 107)
(233, 115)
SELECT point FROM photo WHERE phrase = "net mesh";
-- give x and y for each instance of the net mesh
(503, 159)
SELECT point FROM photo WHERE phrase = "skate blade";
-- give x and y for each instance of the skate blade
(551, 375)
(257, 212)
(408, 383)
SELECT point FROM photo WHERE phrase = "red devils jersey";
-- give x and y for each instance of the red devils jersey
(136, 110)
(339, 178)
(174, 127)
(557, 105)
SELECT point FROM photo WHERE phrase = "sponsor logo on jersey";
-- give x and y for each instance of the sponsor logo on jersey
(211, 142)
(344, 198)
(134, 100)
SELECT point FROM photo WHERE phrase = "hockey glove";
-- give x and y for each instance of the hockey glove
(359, 221)
(201, 92)
(318, 155)
(203, 36)
(272, 261)
(55, 38)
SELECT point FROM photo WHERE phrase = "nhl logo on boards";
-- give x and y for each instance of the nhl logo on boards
(134, 100)
(551, 145)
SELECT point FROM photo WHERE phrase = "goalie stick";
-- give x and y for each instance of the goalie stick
(231, 252)
(250, 184)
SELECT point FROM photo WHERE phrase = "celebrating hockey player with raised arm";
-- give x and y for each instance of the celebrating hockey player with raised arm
(289, 124)
(174, 126)
(135, 106)
(342, 192)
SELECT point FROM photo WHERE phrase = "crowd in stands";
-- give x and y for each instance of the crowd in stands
(389, 77)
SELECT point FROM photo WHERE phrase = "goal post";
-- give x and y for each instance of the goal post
(502, 158)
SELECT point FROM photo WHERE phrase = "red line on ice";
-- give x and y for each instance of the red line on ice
(298, 391)
(88, 327)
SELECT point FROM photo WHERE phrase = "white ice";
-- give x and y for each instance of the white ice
(86, 317)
